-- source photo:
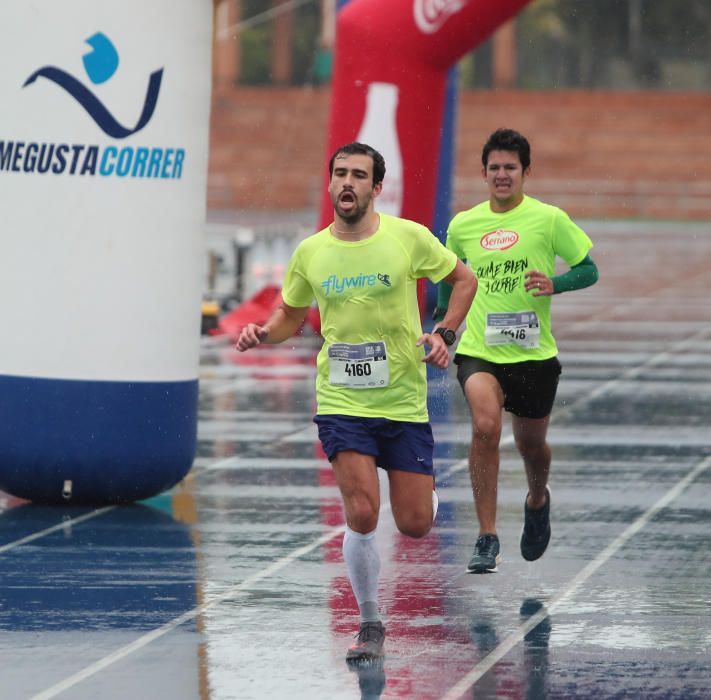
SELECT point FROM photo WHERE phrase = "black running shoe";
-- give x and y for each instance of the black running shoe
(536, 529)
(369, 645)
(486, 555)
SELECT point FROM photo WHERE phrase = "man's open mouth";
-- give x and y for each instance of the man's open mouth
(347, 200)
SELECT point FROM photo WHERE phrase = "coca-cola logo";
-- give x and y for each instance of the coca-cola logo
(499, 240)
(430, 15)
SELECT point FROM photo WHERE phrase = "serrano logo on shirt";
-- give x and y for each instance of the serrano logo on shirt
(499, 240)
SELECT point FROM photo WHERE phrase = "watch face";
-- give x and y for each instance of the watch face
(448, 335)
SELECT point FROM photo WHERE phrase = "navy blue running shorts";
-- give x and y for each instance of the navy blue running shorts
(397, 445)
(529, 387)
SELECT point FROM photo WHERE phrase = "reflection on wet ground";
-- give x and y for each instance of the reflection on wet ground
(232, 585)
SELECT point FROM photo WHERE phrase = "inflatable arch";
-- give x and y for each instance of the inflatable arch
(391, 66)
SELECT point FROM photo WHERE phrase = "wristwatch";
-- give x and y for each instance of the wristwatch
(448, 335)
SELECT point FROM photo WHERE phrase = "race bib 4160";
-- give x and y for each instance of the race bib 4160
(358, 366)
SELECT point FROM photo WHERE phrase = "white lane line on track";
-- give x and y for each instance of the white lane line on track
(151, 636)
(491, 659)
(465, 683)
(59, 526)
(331, 534)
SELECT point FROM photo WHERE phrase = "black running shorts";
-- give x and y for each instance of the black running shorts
(529, 387)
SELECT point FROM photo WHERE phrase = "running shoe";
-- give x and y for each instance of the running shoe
(369, 645)
(486, 555)
(536, 529)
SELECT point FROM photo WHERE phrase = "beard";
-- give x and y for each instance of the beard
(354, 215)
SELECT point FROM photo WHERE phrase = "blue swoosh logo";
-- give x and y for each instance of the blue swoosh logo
(95, 108)
(100, 65)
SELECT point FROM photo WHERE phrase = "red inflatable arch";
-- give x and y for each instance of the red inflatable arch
(390, 71)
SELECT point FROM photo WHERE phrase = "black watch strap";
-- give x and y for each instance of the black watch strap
(448, 335)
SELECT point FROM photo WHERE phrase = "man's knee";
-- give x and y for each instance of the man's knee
(531, 448)
(487, 430)
(417, 530)
(416, 523)
(361, 516)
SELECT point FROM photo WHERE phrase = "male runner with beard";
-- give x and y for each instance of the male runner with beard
(371, 387)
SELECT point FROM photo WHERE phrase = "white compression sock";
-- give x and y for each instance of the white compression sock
(363, 563)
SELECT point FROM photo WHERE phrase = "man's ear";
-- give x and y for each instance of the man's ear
(377, 189)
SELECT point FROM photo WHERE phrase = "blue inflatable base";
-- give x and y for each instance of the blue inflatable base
(94, 442)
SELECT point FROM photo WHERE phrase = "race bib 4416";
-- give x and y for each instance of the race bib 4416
(518, 327)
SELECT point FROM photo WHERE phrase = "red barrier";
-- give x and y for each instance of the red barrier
(258, 309)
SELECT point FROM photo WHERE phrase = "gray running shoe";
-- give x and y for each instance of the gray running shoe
(536, 529)
(369, 645)
(486, 555)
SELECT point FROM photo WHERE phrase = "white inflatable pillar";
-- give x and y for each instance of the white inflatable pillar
(103, 165)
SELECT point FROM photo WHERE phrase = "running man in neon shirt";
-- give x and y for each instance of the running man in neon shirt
(371, 385)
(507, 356)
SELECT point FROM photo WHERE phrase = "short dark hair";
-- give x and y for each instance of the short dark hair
(507, 140)
(362, 149)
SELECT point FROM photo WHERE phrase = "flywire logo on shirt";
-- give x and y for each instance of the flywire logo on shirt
(338, 285)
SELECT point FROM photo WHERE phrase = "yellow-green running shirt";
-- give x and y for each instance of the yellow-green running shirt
(507, 324)
(366, 292)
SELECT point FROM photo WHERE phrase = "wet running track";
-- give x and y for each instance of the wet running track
(232, 585)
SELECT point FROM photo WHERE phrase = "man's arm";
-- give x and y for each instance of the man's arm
(282, 324)
(444, 292)
(462, 286)
(582, 275)
(579, 276)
